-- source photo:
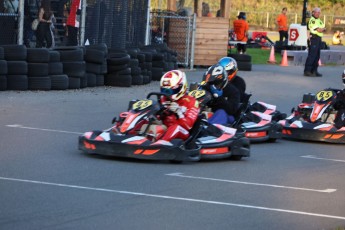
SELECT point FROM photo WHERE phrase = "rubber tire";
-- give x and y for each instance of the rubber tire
(17, 68)
(244, 66)
(3, 83)
(241, 57)
(37, 55)
(39, 83)
(59, 82)
(17, 82)
(3, 67)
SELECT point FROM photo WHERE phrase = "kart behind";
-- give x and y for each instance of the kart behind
(136, 133)
(259, 121)
(312, 120)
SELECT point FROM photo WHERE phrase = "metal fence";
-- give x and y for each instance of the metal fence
(177, 31)
(119, 24)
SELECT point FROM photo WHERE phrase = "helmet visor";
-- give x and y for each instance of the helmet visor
(169, 91)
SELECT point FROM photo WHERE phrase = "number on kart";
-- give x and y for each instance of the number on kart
(324, 95)
(140, 105)
(197, 93)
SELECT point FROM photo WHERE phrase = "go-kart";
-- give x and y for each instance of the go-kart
(135, 134)
(312, 120)
(259, 121)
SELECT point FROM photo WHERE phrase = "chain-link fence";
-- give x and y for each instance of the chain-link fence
(174, 30)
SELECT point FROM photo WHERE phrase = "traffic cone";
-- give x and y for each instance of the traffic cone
(272, 58)
(320, 64)
(284, 59)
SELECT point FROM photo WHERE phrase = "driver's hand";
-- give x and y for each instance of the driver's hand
(176, 108)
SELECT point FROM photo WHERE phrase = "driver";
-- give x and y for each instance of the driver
(230, 66)
(339, 105)
(181, 109)
(225, 97)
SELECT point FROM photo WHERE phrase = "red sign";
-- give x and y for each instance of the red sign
(293, 34)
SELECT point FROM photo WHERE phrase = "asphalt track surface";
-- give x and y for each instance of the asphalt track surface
(46, 183)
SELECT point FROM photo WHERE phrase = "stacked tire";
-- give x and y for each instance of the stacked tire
(244, 61)
(72, 59)
(3, 70)
(59, 80)
(96, 64)
(38, 69)
(146, 66)
(17, 67)
(119, 72)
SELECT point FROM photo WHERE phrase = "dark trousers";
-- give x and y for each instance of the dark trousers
(312, 62)
(283, 35)
(44, 35)
(241, 48)
(339, 120)
(72, 38)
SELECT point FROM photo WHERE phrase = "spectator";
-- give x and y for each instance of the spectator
(283, 27)
(44, 36)
(73, 23)
(337, 38)
(316, 27)
(241, 28)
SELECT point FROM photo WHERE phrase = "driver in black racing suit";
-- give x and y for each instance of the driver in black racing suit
(339, 105)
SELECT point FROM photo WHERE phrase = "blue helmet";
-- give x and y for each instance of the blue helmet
(230, 65)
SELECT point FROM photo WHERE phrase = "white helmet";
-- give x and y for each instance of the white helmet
(174, 84)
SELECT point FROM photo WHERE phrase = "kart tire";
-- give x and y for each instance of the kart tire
(17, 68)
(94, 56)
(3, 83)
(245, 66)
(115, 79)
(3, 67)
(73, 55)
(2, 54)
(39, 83)
(55, 68)
(115, 68)
(15, 52)
(59, 82)
(95, 68)
(54, 56)
(38, 69)
(91, 79)
(137, 79)
(38, 55)
(73, 82)
(241, 57)
(99, 80)
(74, 68)
(236, 158)
(17, 82)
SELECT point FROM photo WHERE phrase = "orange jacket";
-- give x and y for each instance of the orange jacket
(282, 22)
(74, 11)
(241, 28)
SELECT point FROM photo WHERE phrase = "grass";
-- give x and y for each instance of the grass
(260, 56)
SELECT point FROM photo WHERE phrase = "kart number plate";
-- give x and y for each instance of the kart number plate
(197, 93)
(142, 104)
(324, 95)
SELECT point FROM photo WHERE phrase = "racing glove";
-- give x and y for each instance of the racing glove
(176, 108)
(216, 92)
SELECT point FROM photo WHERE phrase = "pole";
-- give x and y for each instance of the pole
(20, 22)
(82, 26)
(304, 13)
(148, 27)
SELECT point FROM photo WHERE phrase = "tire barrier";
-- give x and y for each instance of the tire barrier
(244, 61)
(75, 67)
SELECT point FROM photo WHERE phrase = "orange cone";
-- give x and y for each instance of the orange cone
(320, 64)
(284, 59)
(272, 58)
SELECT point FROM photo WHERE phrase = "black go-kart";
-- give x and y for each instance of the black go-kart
(259, 120)
(313, 119)
(134, 135)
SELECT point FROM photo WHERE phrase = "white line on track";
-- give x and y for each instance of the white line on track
(329, 190)
(48, 130)
(319, 158)
(175, 198)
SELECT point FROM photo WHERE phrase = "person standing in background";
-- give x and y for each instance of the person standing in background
(282, 26)
(73, 23)
(316, 28)
(43, 33)
(241, 28)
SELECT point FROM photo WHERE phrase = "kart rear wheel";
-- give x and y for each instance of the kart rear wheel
(175, 162)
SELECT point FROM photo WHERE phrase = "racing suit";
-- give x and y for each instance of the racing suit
(240, 84)
(181, 121)
(225, 106)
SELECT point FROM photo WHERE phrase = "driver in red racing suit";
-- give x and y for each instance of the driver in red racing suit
(182, 109)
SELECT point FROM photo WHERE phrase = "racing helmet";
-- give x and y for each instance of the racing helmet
(174, 84)
(230, 66)
(217, 76)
